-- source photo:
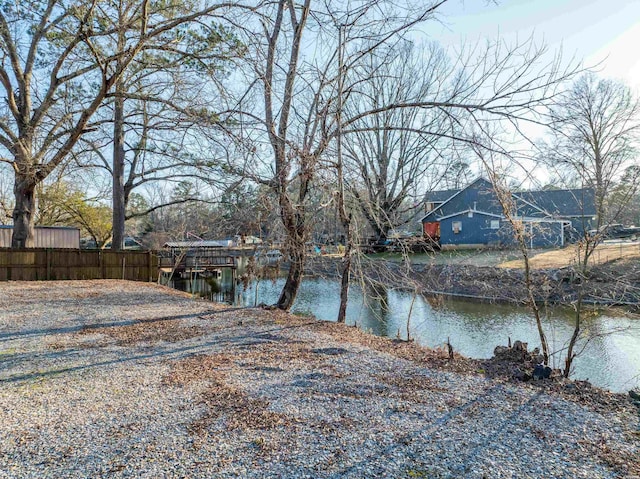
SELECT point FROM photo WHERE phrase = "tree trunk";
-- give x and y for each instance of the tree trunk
(293, 219)
(380, 229)
(345, 218)
(582, 277)
(117, 242)
(294, 278)
(346, 278)
(23, 212)
(296, 226)
(533, 304)
(568, 362)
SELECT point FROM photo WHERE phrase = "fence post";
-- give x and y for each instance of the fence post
(124, 263)
(48, 259)
(101, 274)
(149, 264)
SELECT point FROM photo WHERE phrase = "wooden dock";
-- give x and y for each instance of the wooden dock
(186, 261)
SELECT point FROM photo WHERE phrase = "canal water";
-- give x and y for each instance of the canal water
(609, 358)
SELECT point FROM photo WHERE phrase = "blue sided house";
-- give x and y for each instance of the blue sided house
(473, 216)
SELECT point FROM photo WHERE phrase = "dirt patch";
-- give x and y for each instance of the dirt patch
(566, 257)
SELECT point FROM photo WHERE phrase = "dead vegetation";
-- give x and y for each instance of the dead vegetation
(578, 391)
(221, 399)
(144, 331)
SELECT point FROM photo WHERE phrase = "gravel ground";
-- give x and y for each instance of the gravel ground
(120, 379)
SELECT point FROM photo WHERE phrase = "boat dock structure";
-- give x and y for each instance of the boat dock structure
(183, 259)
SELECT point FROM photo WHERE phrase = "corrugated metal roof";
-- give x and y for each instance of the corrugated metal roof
(46, 236)
(196, 244)
(10, 227)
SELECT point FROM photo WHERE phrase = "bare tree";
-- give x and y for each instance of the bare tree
(595, 131)
(623, 199)
(160, 145)
(346, 217)
(439, 114)
(178, 217)
(166, 87)
(392, 157)
(299, 96)
(595, 127)
(518, 230)
(58, 65)
(458, 173)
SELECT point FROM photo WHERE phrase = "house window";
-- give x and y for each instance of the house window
(470, 214)
(456, 226)
(495, 224)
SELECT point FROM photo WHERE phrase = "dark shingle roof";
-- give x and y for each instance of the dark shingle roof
(577, 202)
(439, 196)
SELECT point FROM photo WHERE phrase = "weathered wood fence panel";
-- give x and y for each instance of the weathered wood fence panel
(41, 264)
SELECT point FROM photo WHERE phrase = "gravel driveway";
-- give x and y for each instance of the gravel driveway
(119, 379)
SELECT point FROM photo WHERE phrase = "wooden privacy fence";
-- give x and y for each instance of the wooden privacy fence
(36, 264)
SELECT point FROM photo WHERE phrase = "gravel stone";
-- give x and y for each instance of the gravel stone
(120, 379)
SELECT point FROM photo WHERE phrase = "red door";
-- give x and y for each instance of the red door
(432, 230)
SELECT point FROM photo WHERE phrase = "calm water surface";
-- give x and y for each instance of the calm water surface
(610, 359)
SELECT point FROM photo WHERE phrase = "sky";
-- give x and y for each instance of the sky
(598, 32)
(601, 34)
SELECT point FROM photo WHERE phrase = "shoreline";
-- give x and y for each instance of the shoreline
(159, 382)
(499, 285)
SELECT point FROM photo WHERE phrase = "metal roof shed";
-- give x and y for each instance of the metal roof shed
(46, 237)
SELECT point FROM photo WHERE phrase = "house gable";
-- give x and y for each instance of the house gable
(472, 215)
(478, 195)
